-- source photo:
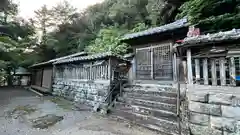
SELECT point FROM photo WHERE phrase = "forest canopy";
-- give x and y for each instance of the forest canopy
(62, 29)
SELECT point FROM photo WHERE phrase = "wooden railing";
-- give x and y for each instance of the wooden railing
(88, 72)
(214, 71)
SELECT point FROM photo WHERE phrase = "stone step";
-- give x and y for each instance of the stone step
(150, 87)
(146, 111)
(149, 104)
(161, 99)
(160, 125)
(152, 93)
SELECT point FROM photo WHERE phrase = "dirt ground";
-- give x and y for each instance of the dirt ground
(24, 113)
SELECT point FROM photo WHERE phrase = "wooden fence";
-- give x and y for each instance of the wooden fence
(86, 71)
(213, 71)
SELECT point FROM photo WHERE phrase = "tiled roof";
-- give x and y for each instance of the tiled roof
(57, 59)
(171, 26)
(212, 38)
(89, 57)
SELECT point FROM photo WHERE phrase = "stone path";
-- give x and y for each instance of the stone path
(24, 113)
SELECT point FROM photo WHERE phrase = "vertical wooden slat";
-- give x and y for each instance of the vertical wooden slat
(184, 63)
(79, 72)
(214, 72)
(189, 66)
(197, 70)
(222, 69)
(175, 68)
(232, 71)
(205, 71)
(110, 69)
(152, 63)
(101, 72)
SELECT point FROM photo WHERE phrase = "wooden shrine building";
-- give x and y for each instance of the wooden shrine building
(153, 49)
(41, 78)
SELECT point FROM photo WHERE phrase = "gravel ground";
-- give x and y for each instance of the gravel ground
(19, 107)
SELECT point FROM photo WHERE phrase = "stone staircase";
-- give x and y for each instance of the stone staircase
(150, 106)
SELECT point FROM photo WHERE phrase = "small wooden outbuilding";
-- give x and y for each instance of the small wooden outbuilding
(41, 78)
(94, 80)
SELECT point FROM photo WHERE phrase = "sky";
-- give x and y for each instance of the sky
(27, 7)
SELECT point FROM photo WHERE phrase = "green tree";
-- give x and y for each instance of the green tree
(212, 14)
(108, 40)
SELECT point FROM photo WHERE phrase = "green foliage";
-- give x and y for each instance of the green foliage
(212, 14)
(108, 40)
(74, 31)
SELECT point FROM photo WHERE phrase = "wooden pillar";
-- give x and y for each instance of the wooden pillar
(214, 72)
(222, 69)
(205, 71)
(110, 69)
(189, 67)
(91, 72)
(232, 71)
(152, 63)
(53, 76)
(197, 70)
(175, 76)
(42, 77)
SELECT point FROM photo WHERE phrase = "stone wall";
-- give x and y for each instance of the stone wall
(214, 113)
(80, 91)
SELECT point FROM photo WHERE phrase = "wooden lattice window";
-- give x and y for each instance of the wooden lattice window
(154, 63)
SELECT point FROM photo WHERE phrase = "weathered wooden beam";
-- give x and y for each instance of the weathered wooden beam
(222, 69)
(189, 67)
(184, 63)
(152, 63)
(175, 77)
(232, 71)
(197, 70)
(205, 71)
(110, 69)
(214, 72)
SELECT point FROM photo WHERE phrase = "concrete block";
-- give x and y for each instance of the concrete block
(220, 98)
(203, 130)
(231, 112)
(199, 97)
(223, 123)
(204, 108)
(197, 118)
(236, 100)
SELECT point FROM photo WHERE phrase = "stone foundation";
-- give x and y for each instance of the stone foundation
(214, 113)
(87, 92)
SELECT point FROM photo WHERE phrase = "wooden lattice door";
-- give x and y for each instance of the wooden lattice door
(154, 63)
(143, 61)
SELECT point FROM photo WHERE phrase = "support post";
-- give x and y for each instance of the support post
(175, 79)
(214, 72)
(152, 63)
(110, 79)
(232, 71)
(222, 71)
(189, 67)
(205, 71)
(197, 70)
